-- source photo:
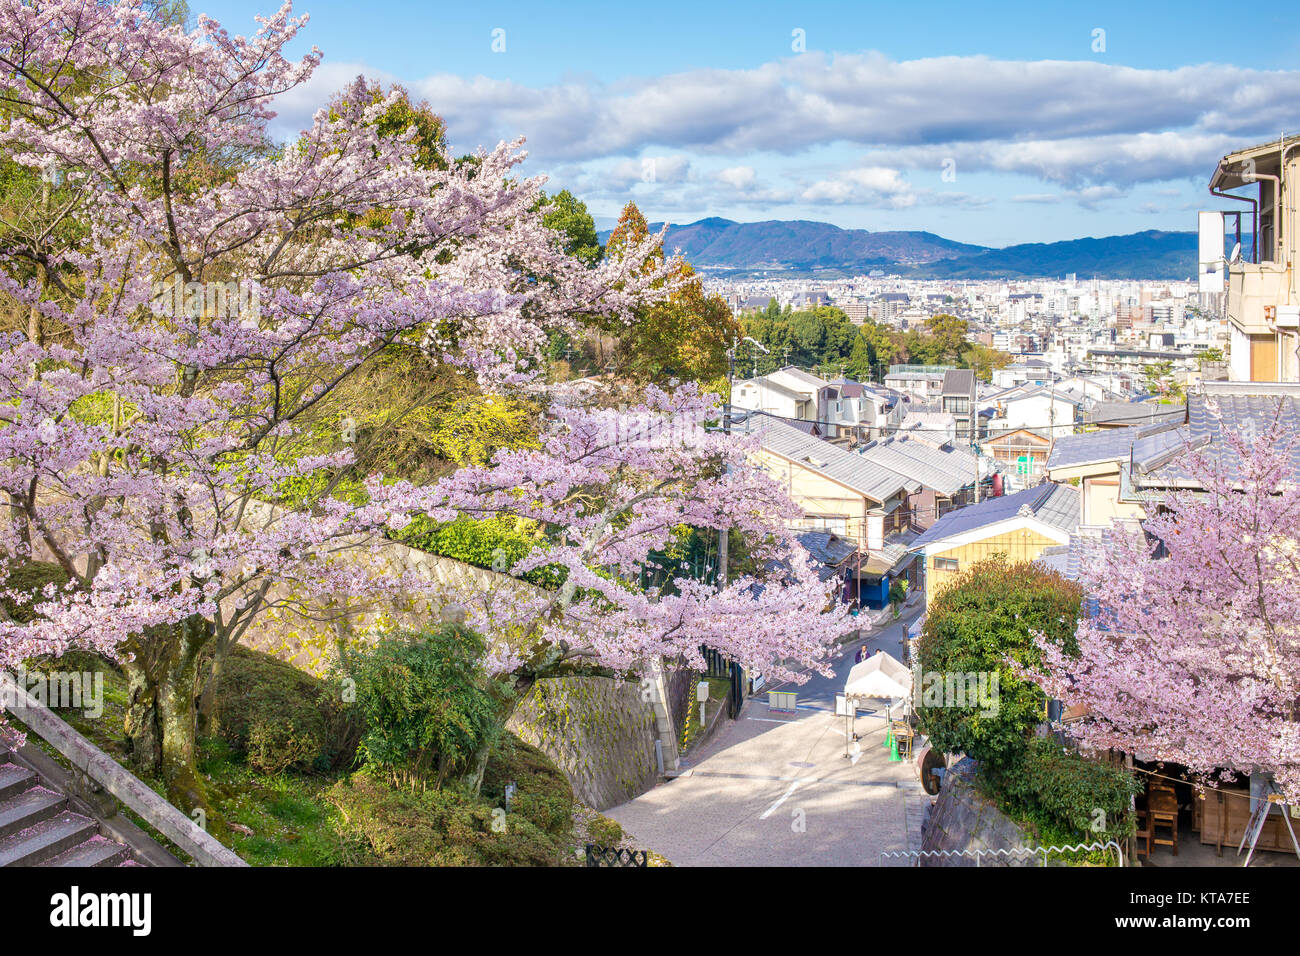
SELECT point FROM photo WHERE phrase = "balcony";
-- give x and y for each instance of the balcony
(1251, 287)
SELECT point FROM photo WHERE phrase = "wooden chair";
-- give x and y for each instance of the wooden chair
(1162, 809)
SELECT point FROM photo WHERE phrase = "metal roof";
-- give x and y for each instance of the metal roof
(764, 382)
(959, 381)
(1054, 505)
(945, 469)
(853, 471)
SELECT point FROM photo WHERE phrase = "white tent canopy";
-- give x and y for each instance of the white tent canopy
(880, 677)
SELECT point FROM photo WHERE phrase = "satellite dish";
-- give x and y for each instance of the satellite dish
(1236, 253)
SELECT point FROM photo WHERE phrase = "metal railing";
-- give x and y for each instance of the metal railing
(1019, 852)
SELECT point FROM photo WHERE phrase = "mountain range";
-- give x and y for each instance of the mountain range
(801, 247)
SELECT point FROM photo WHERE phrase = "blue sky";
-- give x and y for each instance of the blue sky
(994, 124)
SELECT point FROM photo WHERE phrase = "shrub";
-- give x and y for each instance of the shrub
(497, 543)
(278, 717)
(1083, 796)
(449, 827)
(604, 831)
(29, 579)
(977, 623)
(428, 706)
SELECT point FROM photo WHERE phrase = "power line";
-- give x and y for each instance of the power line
(1148, 418)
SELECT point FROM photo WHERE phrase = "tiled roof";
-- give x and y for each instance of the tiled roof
(1091, 447)
(1241, 408)
(1133, 413)
(1055, 505)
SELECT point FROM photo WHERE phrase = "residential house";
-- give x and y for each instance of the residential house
(1020, 454)
(1263, 294)
(1035, 407)
(944, 471)
(856, 411)
(958, 400)
(1028, 372)
(1125, 472)
(1021, 525)
(788, 392)
(920, 383)
(878, 498)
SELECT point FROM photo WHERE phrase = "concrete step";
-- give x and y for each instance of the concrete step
(28, 808)
(46, 840)
(97, 851)
(14, 780)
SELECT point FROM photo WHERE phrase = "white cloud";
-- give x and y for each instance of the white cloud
(872, 185)
(738, 177)
(1077, 125)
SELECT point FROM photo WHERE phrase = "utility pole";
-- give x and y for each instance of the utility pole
(724, 534)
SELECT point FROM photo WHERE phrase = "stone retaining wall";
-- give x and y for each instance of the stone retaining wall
(600, 732)
(962, 819)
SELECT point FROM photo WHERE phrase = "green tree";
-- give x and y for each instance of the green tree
(978, 624)
(428, 705)
(568, 215)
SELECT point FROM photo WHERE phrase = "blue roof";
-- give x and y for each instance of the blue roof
(1055, 505)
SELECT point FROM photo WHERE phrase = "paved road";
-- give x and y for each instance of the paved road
(778, 791)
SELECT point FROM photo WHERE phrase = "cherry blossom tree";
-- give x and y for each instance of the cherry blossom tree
(613, 485)
(216, 292)
(1194, 657)
(200, 319)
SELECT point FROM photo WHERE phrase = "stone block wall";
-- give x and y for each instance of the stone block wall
(600, 732)
(964, 820)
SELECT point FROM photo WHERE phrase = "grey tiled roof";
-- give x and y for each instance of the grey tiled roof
(853, 471)
(1055, 505)
(1133, 413)
(1241, 408)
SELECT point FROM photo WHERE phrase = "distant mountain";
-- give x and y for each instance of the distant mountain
(1141, 255)
(800, 246)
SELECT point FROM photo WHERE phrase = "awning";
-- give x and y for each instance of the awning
(881, 677)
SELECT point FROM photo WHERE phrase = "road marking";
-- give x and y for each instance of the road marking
(783, 798)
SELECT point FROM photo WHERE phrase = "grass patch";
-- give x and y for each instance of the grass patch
(719, 687)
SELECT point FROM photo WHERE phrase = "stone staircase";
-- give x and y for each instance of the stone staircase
(39, 827)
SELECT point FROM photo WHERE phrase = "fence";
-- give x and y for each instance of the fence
(614, 857)
(715, 665)
(1020, 852)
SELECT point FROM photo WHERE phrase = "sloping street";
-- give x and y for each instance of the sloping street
(775, 790)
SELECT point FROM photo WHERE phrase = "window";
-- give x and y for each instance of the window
(836, 524)
(945, 564)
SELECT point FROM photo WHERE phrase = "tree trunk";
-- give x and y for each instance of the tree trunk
(160, 721)
(472, 779)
